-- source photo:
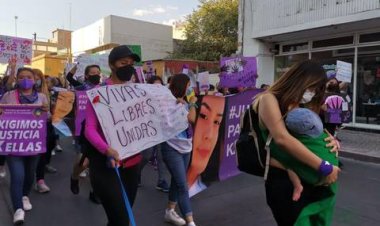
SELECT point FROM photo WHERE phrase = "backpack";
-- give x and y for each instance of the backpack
(252, 151)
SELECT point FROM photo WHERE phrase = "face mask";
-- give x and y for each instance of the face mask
(26, 83)
(38, 84)
(189, 91)
(125, 73)
(94, 79)
(307, 97)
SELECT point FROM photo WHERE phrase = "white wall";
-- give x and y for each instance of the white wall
(271, 17)
(156, 40)
(91, 36)
(255, 47)
(264, 19)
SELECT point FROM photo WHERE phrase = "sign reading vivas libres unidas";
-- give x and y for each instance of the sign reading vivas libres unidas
(135, 117)
(22, 130)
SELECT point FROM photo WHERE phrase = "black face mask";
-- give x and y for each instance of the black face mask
(94, 79)
(125, 73)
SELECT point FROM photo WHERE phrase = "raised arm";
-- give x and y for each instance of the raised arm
(70, 77)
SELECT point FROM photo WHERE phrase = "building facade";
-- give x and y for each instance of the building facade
(283, 32)
(59, 44)
(156, 40)
(50, 65)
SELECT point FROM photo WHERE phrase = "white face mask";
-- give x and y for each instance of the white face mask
(307, 97)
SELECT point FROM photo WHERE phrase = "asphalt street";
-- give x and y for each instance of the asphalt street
(238, 201)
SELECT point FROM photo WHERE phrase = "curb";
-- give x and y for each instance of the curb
(360, 157)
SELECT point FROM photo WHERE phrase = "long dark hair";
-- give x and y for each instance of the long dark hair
(289, 89)
(88, 68)
(155, 78)
(21, 69)
(178, 85)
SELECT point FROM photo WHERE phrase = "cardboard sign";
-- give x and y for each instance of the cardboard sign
(135, 117)
(13, 47)
(22, 130)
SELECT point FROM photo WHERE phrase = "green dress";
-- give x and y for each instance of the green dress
(317, 213)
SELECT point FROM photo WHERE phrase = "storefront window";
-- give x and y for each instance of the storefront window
(368, 85)
(329, 60)
(283, 63)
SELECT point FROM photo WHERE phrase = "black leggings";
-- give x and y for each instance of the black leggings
(107, 187)
(279, 191)
(2, 160)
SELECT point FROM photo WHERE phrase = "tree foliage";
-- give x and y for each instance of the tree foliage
(211, 31)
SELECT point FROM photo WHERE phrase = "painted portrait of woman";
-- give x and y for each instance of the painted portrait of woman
(206, 133)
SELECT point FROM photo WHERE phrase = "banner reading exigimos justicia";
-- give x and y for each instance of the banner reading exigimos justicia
(22, 130)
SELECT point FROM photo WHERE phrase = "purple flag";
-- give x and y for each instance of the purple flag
(238, 72)
(22, 130)
(235, 108)
(80, 112)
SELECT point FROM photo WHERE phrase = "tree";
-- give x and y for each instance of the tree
(211, 31)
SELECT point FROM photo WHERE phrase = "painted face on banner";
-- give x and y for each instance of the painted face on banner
(206, 133)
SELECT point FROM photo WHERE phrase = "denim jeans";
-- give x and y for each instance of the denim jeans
(22, 170)
(177, 164)
(161, 168)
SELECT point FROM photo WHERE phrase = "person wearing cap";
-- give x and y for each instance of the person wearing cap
(103, 158)
(306, 126)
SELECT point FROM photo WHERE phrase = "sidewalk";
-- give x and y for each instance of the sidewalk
(363, 146)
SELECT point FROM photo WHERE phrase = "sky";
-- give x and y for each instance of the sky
(44, 16)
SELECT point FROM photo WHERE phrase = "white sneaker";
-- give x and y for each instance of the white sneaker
(172, 217)
(41, 187)
(84, 173)
(58, 148)
(26, 203)
(191, 224)
(3, 173)
(18, 217)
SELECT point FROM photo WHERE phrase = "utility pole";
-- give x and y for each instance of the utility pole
(16, 17)
(70, 16)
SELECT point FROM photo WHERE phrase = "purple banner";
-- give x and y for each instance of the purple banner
(150, 71)
(238, 72)
(80, 112)
(140, 74)
(235, 107)
(22, 130)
